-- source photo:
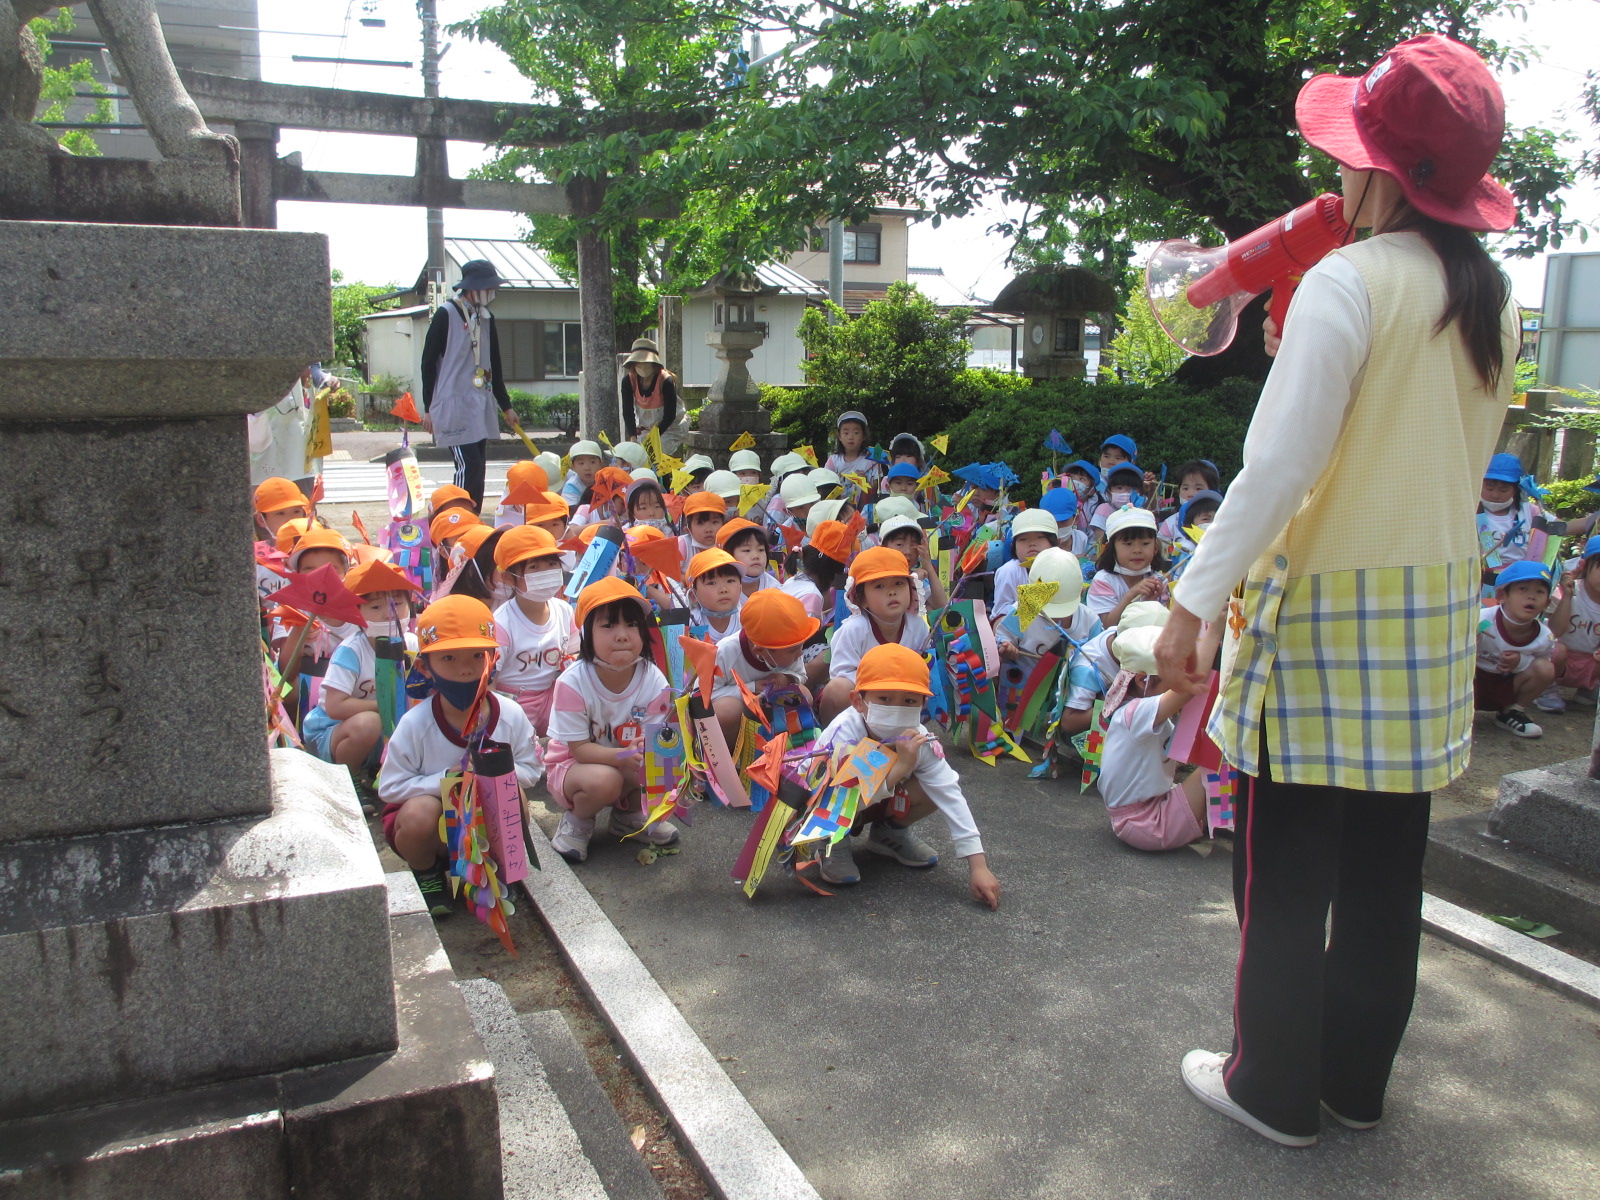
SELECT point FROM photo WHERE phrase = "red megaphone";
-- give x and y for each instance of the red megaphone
(1196, 294)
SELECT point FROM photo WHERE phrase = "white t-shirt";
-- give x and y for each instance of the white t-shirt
(1133, 762)
(1584, 634)
(1107, 589)
(808, 593)
(1492, 643)
(1007, 580)
(1091, 670)
(731, 661)
(1043, 633)
(531, 655)
(858, 635)
(699, 616)
(937, 777)
(424, 747)
(585, 710)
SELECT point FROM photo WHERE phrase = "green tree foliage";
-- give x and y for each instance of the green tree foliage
(1141, 352)
(59, 87)
(351, 302)
(902, 363)
(1171, 424)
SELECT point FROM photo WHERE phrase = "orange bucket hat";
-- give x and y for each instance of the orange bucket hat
(732, 526)
(891, 668)
(880, 562)
(710, 560)
(320, 538)
(447, 494)
(290, 532)
(775, 620)
(456, 623)
(522, 542)
(452, 523)
(833, 540)
(276, 494)
(607, 591)
(705, 502)
(367, 578)
(526, 483)
(551, 506)
(473, 539)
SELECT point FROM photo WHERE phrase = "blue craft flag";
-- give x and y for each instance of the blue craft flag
(1057, 443)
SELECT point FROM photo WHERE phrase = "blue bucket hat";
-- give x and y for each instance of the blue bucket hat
(903, 471)
(1507, 468)
(1183, 509)
(1124, 468)
(1088, 468)
(1060, 503)
(1522, 572)
(1591, 547)
(1122, 442)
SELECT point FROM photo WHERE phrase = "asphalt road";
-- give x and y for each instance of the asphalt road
(902, 1042)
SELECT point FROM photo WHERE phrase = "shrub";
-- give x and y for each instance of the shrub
(1009, 423)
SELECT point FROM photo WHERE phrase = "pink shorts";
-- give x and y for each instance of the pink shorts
(1578, 671)
(1164, 823)
(537, 706)
(555, 775)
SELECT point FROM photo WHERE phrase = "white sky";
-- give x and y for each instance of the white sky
(379, 244)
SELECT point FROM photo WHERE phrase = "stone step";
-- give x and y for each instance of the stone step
(1554, 810)
(600, 1128)
(541, 1154)
(1498, 876)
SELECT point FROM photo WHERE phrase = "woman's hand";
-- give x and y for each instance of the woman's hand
(1270, 337)
(427, 422)
(1177, 661)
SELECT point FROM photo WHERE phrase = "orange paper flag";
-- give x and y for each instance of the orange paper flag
(768, 765)
(406, 409)
(752, 702)
(702, 658)
(361, 526)
(662, 554)
(792, 536)
(674, 503)
(856, 526)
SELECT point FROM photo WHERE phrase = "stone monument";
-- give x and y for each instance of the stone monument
(1053, 301)
(733, 405)
(205, 993)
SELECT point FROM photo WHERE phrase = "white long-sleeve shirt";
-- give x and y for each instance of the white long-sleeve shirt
(424, 746)
(1292, 436)
(937, 777)
(858, 635)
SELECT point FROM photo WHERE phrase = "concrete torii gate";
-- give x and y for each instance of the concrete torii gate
(259, 110)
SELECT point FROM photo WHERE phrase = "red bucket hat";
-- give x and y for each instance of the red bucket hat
(1429, 114)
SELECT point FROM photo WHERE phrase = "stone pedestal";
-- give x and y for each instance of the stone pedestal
(179, 913)
(1554, 810)
(733, 405)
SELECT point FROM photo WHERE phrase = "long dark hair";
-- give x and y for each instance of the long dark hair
(1108, 553)
(1475, 289)
(628, 613)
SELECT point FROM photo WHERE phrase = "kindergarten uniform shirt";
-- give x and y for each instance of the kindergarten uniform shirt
(424, 746)
(1133, 762)
(860, 634)
(351, 670)
(731, 661)
(1492, 643)
(1091, 670)
(936, 776)
(585, 710)
(698, 617)
(1044, 634)
(1583, 637)
(1107, 589)
(1007, 579)
(531, 655)
(808, 593)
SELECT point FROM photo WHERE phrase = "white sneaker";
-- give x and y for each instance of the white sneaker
(1514, 720)
(901, 845)
(1202, 1074)
(1550, 700)
(572, 838)
(662, 833)
(1347, 1122)
(839, 863)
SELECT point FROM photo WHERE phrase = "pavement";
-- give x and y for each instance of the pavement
(900, 1041)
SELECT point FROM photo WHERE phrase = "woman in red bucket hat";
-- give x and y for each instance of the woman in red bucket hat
(1347, 661)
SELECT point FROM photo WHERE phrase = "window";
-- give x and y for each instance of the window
(534, 350)
(863, 245)
(1069, 335)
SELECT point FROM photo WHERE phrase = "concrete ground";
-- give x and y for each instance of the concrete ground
(902, 1042)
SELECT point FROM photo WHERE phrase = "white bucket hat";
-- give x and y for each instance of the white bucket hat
(1056, 566)
(592, 449)
(631, 453)
(724, 483)
(1129, 517)
(746, 460)
(1034, 520)
(797, 489)
(1135, 649)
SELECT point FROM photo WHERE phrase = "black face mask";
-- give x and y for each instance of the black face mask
(459, 695)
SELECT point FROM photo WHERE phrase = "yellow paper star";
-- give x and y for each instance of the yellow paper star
(743, 442)
(566, 465)
(941, 443)
(750, 495)
(807, 453)
(603, 439)
(681, 479)
(1031, 599)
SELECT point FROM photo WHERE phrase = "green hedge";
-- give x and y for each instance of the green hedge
(1170, 423)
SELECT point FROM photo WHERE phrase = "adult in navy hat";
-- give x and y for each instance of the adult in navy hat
(461, 378)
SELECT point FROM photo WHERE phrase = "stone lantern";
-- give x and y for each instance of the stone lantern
(733, 404)
(1053, 302)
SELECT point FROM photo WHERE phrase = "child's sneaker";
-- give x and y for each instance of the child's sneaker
(572, 838)
(435, 890)
(662, 833)
(1585, 697)
(1550, 700)
(1514, 720)
(839, 864)
(901, 845)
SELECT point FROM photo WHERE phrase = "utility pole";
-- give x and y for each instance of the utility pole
(432, 153)
(835, 265)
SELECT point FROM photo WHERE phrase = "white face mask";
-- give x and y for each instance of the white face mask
(385, 628)
(539, 586)
(1122, 570)
(1495, 506)
(500, 593)
(888, 721)
(1120, 496)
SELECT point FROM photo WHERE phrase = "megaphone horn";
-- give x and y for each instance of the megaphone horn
(1197, 294)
